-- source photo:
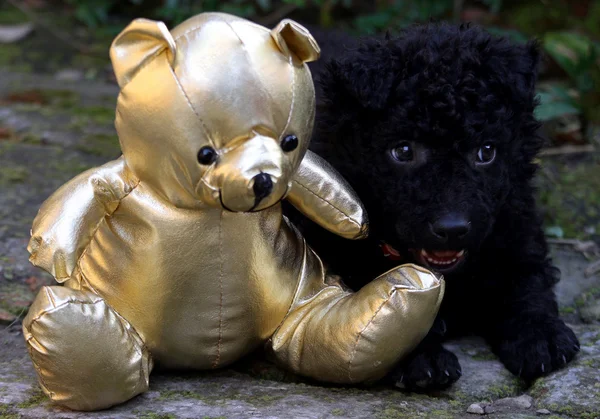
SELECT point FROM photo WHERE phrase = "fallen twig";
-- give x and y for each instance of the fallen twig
(579, 245)
(568, 149)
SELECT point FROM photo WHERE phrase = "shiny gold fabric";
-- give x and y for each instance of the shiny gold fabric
(165, 260)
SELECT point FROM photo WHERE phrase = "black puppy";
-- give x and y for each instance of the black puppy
(435, 131)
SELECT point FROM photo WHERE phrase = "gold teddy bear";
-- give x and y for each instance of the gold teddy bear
(177, 253)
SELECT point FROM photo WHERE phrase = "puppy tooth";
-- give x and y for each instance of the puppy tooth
(429, 373)
(564, 358)
(447, 373)
(543, 367)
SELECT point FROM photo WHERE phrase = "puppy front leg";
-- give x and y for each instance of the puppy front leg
(529, 337)
(430, 366)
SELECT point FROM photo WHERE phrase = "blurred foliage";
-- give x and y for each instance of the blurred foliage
(569, 31)
(579, 58)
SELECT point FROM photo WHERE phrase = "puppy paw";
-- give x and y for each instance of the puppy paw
(539, 349)
(427, 369)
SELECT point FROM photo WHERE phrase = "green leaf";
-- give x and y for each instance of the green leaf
(511, 34)
(494, 5)
(264, 4)
(553, 110)
(299, 3)
(571, 51)
(556, 100)
(555, 231)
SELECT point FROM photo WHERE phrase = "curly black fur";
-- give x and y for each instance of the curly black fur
(446, 91)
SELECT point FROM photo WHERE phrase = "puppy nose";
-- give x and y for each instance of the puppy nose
(451, 227)
(263, 185)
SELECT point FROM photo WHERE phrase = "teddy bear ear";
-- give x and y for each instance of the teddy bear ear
(138, 43)
(292, 37)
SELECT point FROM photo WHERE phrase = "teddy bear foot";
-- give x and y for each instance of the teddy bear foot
(87, 356)
(357, 337)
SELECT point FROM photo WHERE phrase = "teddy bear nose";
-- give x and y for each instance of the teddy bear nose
(263, 185)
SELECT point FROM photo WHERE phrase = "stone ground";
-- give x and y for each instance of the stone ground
(54, 125)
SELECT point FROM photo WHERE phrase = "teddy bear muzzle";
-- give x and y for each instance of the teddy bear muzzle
(252, 176)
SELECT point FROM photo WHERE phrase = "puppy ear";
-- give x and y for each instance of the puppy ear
(292, 37)
(363, 79)
(525, 66)
(514, 68)
(139, 42)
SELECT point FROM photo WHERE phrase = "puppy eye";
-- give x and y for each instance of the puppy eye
(486, 154)
(289, 143)
(403, 152)
(207, 155)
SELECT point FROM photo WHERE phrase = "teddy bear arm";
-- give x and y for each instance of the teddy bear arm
(324, 196)
(67, 220)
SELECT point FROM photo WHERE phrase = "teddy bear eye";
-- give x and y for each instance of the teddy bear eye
(207, 155)
(289, 143)
(403, 152)
(486, 154)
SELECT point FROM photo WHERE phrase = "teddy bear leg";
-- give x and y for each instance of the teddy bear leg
(87, 357)
(345, 337)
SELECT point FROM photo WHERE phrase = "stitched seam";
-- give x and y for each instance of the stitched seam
(93, 235)
(123, 321)
(42, 314)
(289, 120)
(189, 102)
(410, 280)
(50, 297)
(298, 284)
(146, 63)
(216, 363)
(130, 329)
(195, 28)
(38, 369)
(329, 203)
(363, 330)
(265, 91)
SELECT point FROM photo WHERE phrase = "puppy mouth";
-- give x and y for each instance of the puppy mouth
(443, 261)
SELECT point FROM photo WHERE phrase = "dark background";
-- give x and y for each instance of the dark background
(76, 34)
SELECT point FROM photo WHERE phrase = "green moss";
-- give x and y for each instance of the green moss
(102, 145)
(95, 114)
(7, 412)
(391, 413)
(152, 415)
(187, 394)
(219, 399)
(31, 138)
(338, 412)
(14, 174)
(36, 398)
(69, 167)
(567, 310)
(573, 411)
(538, 389)
(8, 54)
(483, 356)
(592, 362)
(502, 391)
(569, 195)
